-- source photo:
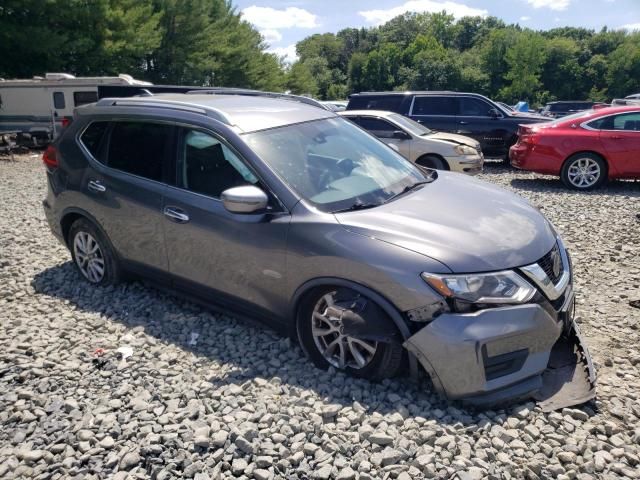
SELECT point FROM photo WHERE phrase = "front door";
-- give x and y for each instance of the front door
(475, 120)
(620, 135)
(240, 256)
(388, 133)
(58, 106)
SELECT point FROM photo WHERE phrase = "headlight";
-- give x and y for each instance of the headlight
(499, 287)
(465, 150)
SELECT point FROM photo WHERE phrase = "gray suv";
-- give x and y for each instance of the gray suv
(287, 212)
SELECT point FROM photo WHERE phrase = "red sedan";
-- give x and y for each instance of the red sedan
(585, 149)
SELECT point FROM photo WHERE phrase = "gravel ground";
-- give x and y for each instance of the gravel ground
(205, 395)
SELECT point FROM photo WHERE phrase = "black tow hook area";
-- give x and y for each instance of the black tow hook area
(570, 378)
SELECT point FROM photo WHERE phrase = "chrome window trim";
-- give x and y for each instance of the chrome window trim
(586, 125)
(542, 280)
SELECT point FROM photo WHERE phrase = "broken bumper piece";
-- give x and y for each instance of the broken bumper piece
(499, 355)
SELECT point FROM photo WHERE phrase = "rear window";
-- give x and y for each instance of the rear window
(139, 148)
(82, 98)
(432, 105)
(92, 137)
(370, 102)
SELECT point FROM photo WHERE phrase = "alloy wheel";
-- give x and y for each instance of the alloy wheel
(338, 349)
(89, 257)
(584, 172)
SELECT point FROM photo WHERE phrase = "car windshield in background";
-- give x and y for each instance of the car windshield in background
(334, 164)
(409, 125)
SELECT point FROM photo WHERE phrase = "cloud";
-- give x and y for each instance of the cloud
(271, 36)
(630, 26)
(525, 19)
(551, 4)
(378, 17)
(272, 18)
(288, 53)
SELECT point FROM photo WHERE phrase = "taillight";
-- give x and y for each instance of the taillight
(50, 157)
(529, 135)
(66, 121)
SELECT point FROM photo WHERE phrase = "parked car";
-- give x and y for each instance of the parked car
(564, 108)
(290, 213)
(335, 105)
(467, 114)
(442, 151)
(635, 96)
(585, 149)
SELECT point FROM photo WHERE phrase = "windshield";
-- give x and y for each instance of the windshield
(409, 125)
(334, 164)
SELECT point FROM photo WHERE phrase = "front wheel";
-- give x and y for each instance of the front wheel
(584, 171)
(324, 323)
(432, 161)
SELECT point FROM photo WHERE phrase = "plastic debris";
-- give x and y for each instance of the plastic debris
(125, 351)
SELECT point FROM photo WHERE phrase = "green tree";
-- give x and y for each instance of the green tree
(525, 59)
(300, 81)
(561, 71)
(623, 74)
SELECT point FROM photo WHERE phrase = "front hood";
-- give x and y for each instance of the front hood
(467, 224)
(453, 138)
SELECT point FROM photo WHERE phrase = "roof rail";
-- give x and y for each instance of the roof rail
(257, 93)
(156, 102)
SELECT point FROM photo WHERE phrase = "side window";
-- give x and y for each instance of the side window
(92, 137)
(432, 105)
(378, 127)
(207, 166)
(473, 107)
(139, 148)
(82, 98)
(628, 122)
(371, 102)
(58, 100)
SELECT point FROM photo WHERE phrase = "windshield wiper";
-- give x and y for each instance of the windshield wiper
(357, 206)
(409, 188)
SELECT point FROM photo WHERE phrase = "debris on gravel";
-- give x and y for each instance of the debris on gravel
(241, 401)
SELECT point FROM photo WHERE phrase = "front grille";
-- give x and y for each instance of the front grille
(547, 263)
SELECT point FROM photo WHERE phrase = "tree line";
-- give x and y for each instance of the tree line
(206, 42)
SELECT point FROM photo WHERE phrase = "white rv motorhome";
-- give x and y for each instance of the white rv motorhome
(35, 109)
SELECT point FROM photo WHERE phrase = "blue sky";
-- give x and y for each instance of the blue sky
(283, 23)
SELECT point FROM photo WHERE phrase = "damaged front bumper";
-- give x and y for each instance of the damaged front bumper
(503, 354)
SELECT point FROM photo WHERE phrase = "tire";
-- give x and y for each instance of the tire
(584, 171)
(381, 359)
(432, 161)
(93, 254)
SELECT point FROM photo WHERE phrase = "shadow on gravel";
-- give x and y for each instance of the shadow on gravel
(615, 187)
(245, 349)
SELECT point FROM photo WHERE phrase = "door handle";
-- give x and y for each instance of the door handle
(176, 214)
(462, 122)
(615, 137)
(96, 186)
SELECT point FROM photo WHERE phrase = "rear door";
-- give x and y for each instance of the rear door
(125, 186)
(435, 112)
(620, 135)
(240, 257)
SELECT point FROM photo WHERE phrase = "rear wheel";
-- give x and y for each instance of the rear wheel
(584, 171)
(92, 254)
(432, 161)
(321, 332)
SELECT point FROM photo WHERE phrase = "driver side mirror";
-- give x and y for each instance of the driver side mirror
(244, 200)
(494, 113)
(400, 135)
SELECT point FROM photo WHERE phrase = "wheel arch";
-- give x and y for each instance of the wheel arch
(436, 155)
(386, 305)
(70, 216)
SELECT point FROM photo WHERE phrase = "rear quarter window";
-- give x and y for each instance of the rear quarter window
(82, 98)
(93, 136)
